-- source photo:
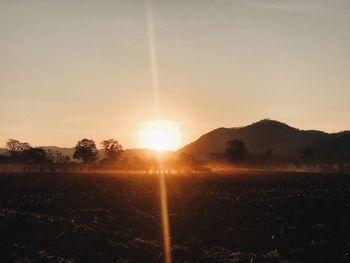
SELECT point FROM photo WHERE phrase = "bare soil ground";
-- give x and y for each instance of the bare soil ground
(286, 217)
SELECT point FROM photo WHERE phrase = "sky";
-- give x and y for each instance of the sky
(73, 69)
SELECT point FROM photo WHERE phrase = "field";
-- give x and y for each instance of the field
(238, 218)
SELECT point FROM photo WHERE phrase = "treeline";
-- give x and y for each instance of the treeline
(24, 153)
(21, 156)
(85, 152)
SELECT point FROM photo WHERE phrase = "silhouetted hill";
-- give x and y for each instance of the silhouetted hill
(270, 135)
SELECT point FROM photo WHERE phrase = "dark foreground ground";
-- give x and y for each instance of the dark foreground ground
(248, 218)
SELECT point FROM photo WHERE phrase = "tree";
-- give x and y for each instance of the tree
(112, 149)
(86, 151)
(16, 146)
(236, 151)
(35, 155)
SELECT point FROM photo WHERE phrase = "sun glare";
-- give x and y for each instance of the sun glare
(160, 135)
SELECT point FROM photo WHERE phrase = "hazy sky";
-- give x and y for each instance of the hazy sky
(74, 69)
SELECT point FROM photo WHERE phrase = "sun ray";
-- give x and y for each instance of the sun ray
(152, 54)
(159, 137)
(165, 218)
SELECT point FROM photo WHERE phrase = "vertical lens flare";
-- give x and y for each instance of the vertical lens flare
(155, 89)
(152, 54)
(165, 218)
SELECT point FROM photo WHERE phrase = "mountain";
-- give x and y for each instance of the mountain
(271, 135)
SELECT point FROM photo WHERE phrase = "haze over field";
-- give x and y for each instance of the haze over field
(73, 69)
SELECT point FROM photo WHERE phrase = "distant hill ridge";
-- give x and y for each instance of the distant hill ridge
(272, 135)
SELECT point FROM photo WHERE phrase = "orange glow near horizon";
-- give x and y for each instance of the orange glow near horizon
(160, 135)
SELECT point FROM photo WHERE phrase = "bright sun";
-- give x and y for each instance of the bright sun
(160, 135)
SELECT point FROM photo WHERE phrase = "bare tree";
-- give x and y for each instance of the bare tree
(112, 149)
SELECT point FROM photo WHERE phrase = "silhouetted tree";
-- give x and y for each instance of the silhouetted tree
(15, 146)
(35, 155)
(86, 151)
(112, 149)
(236, 151)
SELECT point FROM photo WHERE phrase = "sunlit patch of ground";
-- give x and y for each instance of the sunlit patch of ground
(242, 218)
